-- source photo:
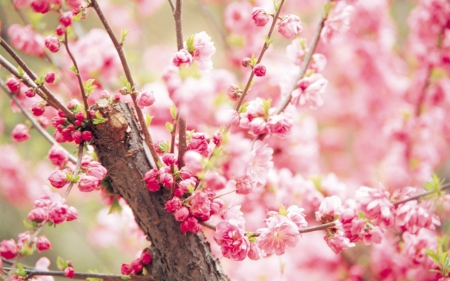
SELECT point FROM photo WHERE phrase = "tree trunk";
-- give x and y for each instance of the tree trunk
(176, 255)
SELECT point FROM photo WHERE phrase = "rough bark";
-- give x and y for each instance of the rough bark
(176, 256)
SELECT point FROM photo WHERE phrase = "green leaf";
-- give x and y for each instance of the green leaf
(191, 188)
(433, 255)
(123, 35)
(39, 81)
(127, 84)
(88, 87)
(253, 60)
(190, 44)
(243, 108)
(266, 106)
(173, 112)
(115, 206)
(163, 146)
(74, 69)
(169, 127)
(148, 119)
(327, 8)
(20, 72)
(28, 225)
(61, 263)
(267, 40)
(77, 17)
(125, 277)
(282, 211)
(20, 271)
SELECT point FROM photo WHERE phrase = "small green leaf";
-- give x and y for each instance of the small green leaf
(148, 119)
(39, 81)
(127, 84)
(115, 206)
(98, 118)
(125, 277)
(169, 127)
(190, 44)
(89, 87)
(77, 17)
(74, 69)
(266, 106)
(267, 40)
(282, 211)
(123, 35)
(433, 255)
(61, 263)
(163, 146)
(191, 188)
(20, 72)
(28, 225)
(20, 271)
(173, 112)
(253, 60)
(243, 108)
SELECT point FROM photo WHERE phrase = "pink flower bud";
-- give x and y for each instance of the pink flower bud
(246, 62)
(13, 84)
(66, 19)
(52, 43)
(169, 159)
(234, 92)
(290, 27)
(58, 179)
(59, 137)
(37, 215)
(20, 133)
(145, 98)
(88, 183)
(166, 177)
(190, 224)
(260, 16)
(74, 4)
(126, 269)
(72, 214)
(96, 170)
(181, 214)
(76, 135)
(72, 103)
(136, 265)
(146, 258)
(30, 93)
(43, 244)
(60, 30)
(80, 116)
(151, 178)
(69, 272)
(182, 57)
(40, 6)
(173, 204)
(8, 249)
(38, 109)
(86, 135)
(259, 70)
(50, 77)
(57, 155)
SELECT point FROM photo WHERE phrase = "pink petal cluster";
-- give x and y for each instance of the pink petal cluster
(8, 249)
(412, 216)
(204, 49)
(145, 99)
(309, 91)
(280, 233)
(21, 133)
(260, 163)
(24, 38)
(337, 22)
(290, 26)
(199, 142)
(375, 204)
(329, 208)
(182, 57)
(259, 16)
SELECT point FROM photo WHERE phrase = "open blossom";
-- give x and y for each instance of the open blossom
(20, 133)
(338, 22)
(200, 205)
(182, 57)
(280, 233)
(412, 217)
(297, 216)
(232, 240)
(280, 124)
(24, 38)
(338, 243)
(260, 162)
(329, 208)
(88, 183)
(374, 202)
(290, 26)
(204, 49)
(309, 91)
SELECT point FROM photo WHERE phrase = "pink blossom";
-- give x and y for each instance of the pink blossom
(234, 92)
(86, 135)
(337, 22)
(374, 235)
(200, 205)
(216, 206)
(234, 244)
(280, 232)
(173, 204)
(297, 216)
(8, 249)
(50, 77)
(43, 244)
(58, 179)
(166, 177)
(214, 180)
(74, 4)
(58, 213)
(411, 217)
(13, 84)
(20, 133)
(181, 214)
(26, 40)
(42, 264)
(146, 257)
(255, 253)
(280, 125)
(260, 162)
(259, 70)
(38, 109)
(259, 16)
(329, 208)
(190, 224)
(37, 215)
(193, 161)
(125, 269)
(199, 142)
(96, 170)
(182, 57)
(88, 183)
(69, 272)
(52, 43)
(374, 202)
(151, 178)
(309, 91)
(290, 27)
(145, 98)
(244, 185)
(40, 6)
(338, 243)
(72, 214)
(66, 19)
(203, 51)
(169, 159)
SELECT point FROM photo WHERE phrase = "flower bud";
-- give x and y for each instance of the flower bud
(52, 43)
(182, 57)
(60, 30)
(259, 70)
(8, 249)
(136, 265)
(126, 269)
(169, 159)
(43, 244)
(37, 215)
(145, 98)
(13, 84)
(246, 62)
(69, 272)
(259, 16)
(173, 204)
(181, 214)
(72, 214)
(66, 19)
(290, 26)
(58, 179)
(86, 135)
(38, 109)
(20, 133)
(57, 155)
(146, 257)
(50, 77)
(234, 92)
(88, 183)
(30, 93)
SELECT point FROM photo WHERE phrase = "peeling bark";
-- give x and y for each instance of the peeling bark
(176, 256)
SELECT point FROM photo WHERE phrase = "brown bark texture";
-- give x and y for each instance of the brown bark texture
(176, 256)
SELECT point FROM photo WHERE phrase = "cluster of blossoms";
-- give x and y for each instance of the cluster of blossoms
(198, 48)
(137, 265)
(25, 245)
(282, 231)
(366, 217)
(261, 119)
(72, 132)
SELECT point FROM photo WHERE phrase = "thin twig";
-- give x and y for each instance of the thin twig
(33, 121)
(261, 54)
(45, 94)
(126, 68)
(80, 81)
(418, 196)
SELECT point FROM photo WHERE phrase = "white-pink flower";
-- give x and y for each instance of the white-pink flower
(290, 26)
(182, 57)
(374, 202)
(329, 208)
(260, 162)
(204, 49)
(280, 233)
(309, 91)
(145, 98)
(297, 216)
(232, 240)
(280, 124)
